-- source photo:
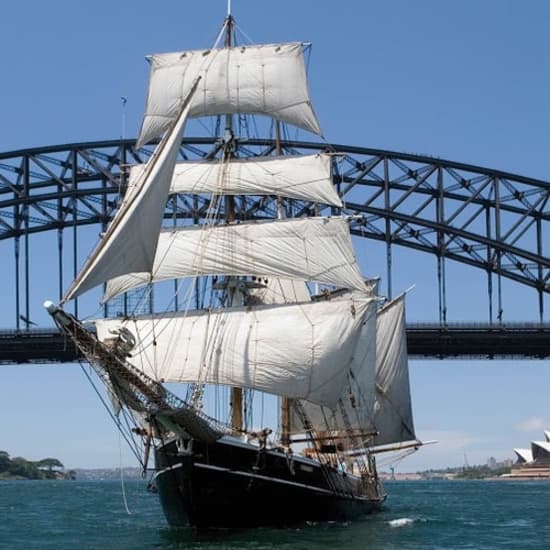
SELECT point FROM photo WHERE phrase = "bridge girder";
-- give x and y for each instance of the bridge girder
(424, 341)
(488, 219)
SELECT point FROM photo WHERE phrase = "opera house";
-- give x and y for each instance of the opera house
(533, 463)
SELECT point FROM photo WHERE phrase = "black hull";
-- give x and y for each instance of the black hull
(230, 484)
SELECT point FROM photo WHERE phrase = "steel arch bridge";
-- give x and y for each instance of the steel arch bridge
(488, 219)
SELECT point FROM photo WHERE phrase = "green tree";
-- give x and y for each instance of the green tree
(21, 467)
(49, 463)
(5, 461)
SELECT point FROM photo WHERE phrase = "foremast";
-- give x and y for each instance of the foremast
(286, 402)
(236, 402)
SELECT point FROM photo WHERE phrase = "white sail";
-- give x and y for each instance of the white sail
(377, 395)
(279, 291)
(298, 350)
(392, 409)
(302, 177)
(315, 249)
(269, 80)
(358, 396)
(130, 241)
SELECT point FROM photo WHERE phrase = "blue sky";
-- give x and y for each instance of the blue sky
(466, 81)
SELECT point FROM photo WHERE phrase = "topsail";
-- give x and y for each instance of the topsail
(302, 177)
(268, 79)
(312, 249)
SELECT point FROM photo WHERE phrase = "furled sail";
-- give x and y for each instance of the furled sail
(298, 350)
(392, 409)
(302, 177)
(130, 241)
(268, 79)
(315, 249)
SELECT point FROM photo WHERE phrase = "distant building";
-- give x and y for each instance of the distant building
(539, 451)
(533, 462)
(524, 455)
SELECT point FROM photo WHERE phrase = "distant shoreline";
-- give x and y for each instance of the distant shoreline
(58, 476)
(414, 477)
(19, 468)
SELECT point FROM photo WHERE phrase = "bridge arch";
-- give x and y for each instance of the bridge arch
(488, 219)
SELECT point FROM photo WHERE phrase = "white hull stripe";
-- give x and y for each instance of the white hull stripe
(160, 472)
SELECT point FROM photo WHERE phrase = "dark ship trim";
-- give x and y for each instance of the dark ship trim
(221, 494)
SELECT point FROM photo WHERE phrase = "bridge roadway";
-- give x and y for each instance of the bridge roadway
(424, 340)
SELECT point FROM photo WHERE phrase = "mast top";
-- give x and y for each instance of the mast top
(228, 8)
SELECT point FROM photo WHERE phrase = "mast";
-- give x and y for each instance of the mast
(285, 401)
(236, 392)
(285, 421)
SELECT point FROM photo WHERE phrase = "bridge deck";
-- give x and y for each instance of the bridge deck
(425, 341)
(485, 341)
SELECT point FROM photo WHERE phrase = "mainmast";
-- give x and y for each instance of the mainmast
(236, 392)
(285, 401)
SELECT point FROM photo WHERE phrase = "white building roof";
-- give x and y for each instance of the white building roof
(540, 450)
(524, 455)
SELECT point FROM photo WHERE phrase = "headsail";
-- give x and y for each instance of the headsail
(302, 177)
(314, 249)
(130, 241)
(268, 79)
(297, 350)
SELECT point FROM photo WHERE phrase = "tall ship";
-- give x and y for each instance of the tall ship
(269, 314)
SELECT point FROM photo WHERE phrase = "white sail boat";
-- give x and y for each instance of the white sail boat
(336, 360)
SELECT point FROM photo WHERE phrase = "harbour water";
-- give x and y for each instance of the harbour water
(418, 515)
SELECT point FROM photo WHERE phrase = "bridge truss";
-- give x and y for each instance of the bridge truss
(488, 219)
